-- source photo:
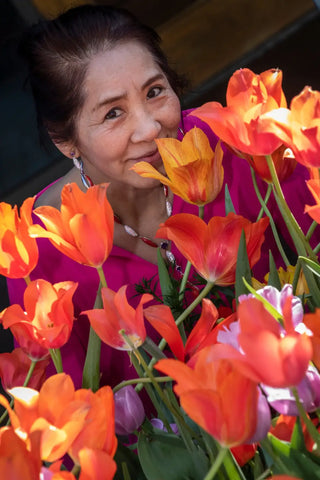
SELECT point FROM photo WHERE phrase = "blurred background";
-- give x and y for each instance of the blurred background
(205, 39)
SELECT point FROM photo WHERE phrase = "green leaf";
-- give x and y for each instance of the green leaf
(313, 266)
(287, 460)
(243, 270)
(164, 278)
(228, 202)
(164, 456)
(273, 279)
(124, 456)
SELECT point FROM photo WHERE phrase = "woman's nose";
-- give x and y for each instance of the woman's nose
(145, 127)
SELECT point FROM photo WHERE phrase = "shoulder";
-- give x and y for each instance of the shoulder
(51, 195)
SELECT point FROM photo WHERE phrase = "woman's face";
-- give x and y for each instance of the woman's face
(128, 103)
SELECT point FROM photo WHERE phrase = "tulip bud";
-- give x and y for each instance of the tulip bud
(129, 410)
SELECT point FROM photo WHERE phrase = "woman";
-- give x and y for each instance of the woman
(104, 91)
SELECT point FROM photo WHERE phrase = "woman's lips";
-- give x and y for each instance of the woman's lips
(152, 157)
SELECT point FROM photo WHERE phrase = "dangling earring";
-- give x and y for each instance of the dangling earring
(181, 129)
(85, 179)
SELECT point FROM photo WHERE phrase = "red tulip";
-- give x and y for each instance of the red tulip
(14, 367)
(83, 228)
(18, 251)
(213, 248)
(47, 320)
(118, 315)
(162, 320)
(216, 396)
(248, 97)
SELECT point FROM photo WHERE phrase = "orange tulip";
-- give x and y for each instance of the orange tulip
(212, 248)
(96, 465)
(118, 315)
(283, 429)
(299, 127)
(18, 251)
(270, 355)
(14, 367)
(216, 396)
(83, 229)
(47, 320)
(248, 97)
(162, 320)
(314, 210)
(67, 419)
(312, 321)
(194, 172)
(17, 461)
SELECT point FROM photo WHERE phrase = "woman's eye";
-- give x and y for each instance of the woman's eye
(154, 92)
(113, 113)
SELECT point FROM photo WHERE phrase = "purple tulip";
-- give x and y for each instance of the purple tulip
(129, 410)
(263, 420)
(282, 399)
(157, 423)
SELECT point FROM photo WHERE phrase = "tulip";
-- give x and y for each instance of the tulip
(17, 460)
(68, 420)
(18, 251)
(83, 228)
(314, 210)
(47, 320)
(284, 163)
(162, 320)
(248, 97)
(299, 127)
(129, 411)
(216, 396)
(194, 172)
(213, 248)
(14, 367)
(283, 401)
(283, 430)
(119, 316)
(274, 359)
(312, 322)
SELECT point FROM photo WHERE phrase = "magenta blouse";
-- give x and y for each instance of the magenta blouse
(123, 267)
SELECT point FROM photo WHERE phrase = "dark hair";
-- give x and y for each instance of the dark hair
(58, 52)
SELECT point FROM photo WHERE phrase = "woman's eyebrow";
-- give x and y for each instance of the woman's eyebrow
(116, 98)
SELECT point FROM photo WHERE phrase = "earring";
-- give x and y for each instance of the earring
(85, 179)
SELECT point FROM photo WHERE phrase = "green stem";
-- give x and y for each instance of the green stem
(56, 358)
(312, 228)
(266, 198)
(75, 470)
(184, 280)
(27, 279)
(137, 381)
(294, 228)
(310, 426)
(201, 211)
(217, 464)
(30, 372)
(316, 249)
(195, 303)
(91, 369)
(269, 215)
(102, 276)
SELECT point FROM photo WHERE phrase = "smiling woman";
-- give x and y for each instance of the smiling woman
(105, 93)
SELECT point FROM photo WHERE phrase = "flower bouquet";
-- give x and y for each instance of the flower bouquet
(231, 387)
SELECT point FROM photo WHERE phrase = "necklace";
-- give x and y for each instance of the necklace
(133, 233)
(164, 245)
